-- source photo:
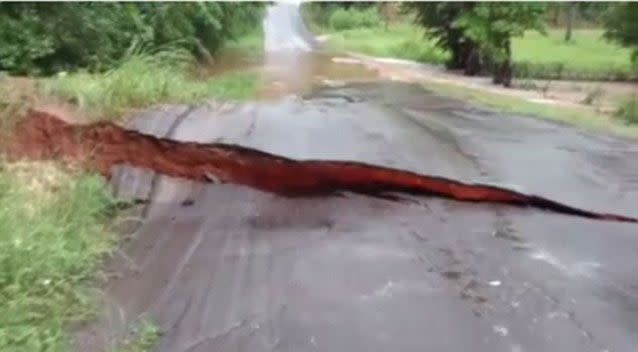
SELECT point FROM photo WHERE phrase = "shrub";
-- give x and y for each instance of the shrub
(343, 19)
(628, 111)
(419, 51)
(43, 38)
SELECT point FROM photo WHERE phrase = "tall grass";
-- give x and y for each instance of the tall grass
(144, 79)
(628, 111)
(342, 19)
(52, 241)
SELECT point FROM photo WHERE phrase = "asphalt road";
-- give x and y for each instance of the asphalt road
(228, 268)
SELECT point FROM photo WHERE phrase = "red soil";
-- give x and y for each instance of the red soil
(103, 145)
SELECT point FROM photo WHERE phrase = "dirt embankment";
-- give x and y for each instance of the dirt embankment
(103, 145)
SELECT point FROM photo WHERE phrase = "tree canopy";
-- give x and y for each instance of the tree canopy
(621, 22)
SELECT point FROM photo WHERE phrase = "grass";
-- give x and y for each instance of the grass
(587, 57)
(143, 80)
(251, 43)
(145, 337)
(52, 242)
(628, 111)
(342, 19)
(398, 41)
(514, 105)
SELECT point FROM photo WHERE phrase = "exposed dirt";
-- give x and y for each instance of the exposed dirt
(103, 145)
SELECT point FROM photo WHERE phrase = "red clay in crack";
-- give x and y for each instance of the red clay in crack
(103, 145)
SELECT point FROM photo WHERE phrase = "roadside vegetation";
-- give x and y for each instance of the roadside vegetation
(506, 41)
(103, 60)
(143, 80)
(46, 38)
(419, 28)
(109, 58)
(622, 123)
(402, 41)
(628, 110)
(52, 243)
(143, 338)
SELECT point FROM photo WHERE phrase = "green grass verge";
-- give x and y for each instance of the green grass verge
(143, 80)
(398, 41)
(52, 242)
(571, 115)
(144, 338)
(587, 57)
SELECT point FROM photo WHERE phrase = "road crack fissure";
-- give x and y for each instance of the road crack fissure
(103, 145)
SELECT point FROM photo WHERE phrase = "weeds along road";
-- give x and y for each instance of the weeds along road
(230, 268)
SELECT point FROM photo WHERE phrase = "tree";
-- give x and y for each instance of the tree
(492, 25)
(571, 11)
(621, 22)
(478, 35)
(438, 20)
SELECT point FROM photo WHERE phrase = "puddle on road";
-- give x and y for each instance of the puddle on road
(296, 72)
(290, 72)
(292, 61)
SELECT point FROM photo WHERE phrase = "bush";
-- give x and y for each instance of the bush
(628, 111)
(343, 19)
(419, 51)
(43, 38)
(143, 80)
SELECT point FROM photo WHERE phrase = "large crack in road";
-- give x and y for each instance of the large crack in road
(105, 145)
(233, 268)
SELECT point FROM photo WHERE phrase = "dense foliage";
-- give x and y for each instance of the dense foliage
(438, 19)
(323, 13)
(492, 25)
(42, 38)
(621, 21)
(342, 18)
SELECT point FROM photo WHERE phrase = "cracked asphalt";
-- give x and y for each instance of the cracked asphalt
(229, 268)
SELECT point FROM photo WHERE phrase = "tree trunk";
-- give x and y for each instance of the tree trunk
(456, 61)
(503, 69)
(571, 9)
(472, 59)
(555, 15)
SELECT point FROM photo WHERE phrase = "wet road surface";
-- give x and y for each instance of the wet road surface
(229, 268)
